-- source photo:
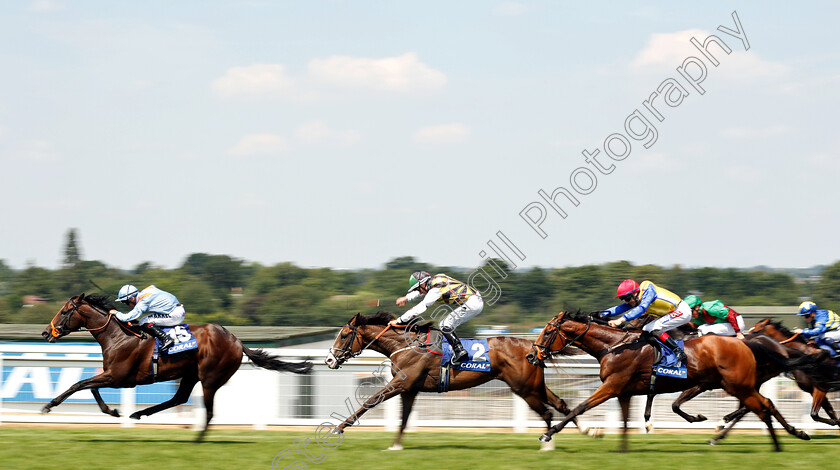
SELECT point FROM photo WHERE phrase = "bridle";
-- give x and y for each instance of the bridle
(61, 330)
(541, 350)
(346, 352)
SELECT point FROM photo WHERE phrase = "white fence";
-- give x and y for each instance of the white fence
(34, 374)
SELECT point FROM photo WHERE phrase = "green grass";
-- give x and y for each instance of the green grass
(161, 449)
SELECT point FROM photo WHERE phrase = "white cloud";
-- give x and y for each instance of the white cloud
(509, 9)
(742, 174)
(316, 132)
(259, 144)
(825, 161)
(258, 80)
(37, 151)
(45, 6)
(403, 73)
(755, 133)
(666, 51)
(442, 134)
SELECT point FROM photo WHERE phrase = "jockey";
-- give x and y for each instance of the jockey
(713, 317)
(442, 288)
(668, 308)
(825, 327)
(156, 307)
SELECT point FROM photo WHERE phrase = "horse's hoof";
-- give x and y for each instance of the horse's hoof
(395, 447)
(135, 415)
(700, 418)
(648, 427)
(45, 410)
(803, 435)
(337, 430)
(115, 413)
(546, 446)
(545, 437)
(713, 442)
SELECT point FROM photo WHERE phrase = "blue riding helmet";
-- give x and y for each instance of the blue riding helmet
(126, 292)
(807, 307)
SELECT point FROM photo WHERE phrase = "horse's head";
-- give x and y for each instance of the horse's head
(760, 326)
(68, 319)
(347, 344)
(74, 315)
(552, 340)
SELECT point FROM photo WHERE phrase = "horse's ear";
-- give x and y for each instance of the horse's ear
(355, 318)
(81, 296)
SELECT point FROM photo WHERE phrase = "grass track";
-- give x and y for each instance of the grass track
(163, 449)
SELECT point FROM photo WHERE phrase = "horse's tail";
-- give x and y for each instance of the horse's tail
(267, 361)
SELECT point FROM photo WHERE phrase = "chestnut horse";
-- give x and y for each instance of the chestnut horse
(127, 357)
(626, 364)
(415, 372)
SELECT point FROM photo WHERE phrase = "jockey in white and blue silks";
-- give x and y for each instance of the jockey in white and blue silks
(825, 327)
(153, 307)
(668, 308)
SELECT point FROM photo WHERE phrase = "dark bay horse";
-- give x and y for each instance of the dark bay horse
(719, 361)
(415, 372)
(127, 357)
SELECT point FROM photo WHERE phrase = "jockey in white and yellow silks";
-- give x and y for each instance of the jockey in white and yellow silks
(825, 327)
(444, 289)
(668, 308)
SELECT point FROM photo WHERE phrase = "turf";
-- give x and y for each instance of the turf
(161, 449)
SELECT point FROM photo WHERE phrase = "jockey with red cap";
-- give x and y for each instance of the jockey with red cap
(668, 308)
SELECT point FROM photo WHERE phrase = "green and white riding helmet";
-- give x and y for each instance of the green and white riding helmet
(418, 279)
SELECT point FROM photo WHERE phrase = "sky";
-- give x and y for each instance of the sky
(344, 134)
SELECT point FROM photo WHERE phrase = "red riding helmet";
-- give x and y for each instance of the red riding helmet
(627, 286)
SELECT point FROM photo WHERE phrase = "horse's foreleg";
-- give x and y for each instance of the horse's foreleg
(560, 405)
(624, 403)
(732, 419)
(684, 397)
(407, 403)
(102, 405)
(98, 381)
(602, 394)
(182, 395)
(392, 389)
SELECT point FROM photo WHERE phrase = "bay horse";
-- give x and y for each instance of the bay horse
(626, 365)
(416, 372)
(127, 357)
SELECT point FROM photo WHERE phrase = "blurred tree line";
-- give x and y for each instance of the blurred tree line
(226, 290)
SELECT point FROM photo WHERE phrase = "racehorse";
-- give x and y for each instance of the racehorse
(415, 372)
(626, 365)
(127, 357)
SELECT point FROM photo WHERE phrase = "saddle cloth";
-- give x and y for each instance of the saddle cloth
(184, 339)
(667, 365)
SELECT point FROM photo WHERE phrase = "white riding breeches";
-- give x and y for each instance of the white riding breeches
(669, 321)
(463, 313)
(175, 317)
(721, 329)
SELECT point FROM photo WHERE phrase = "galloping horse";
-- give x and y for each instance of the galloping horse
(415, 372)
(127, 357)
(626, 365)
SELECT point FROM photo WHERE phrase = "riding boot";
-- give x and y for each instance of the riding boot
(459, 354)
(676, 349)
(155, 331)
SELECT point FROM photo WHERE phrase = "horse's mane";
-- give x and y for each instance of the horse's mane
(378, 318)
(778, 325)
(99, 301)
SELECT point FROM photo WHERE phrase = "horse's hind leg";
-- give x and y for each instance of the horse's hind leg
(732, 419)
(181, 397)
(818, 401)
(624, 403)
(684, 397)
(102, 405)
(755, 404)
(790, 429)
(407, 399)
(209, 397)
